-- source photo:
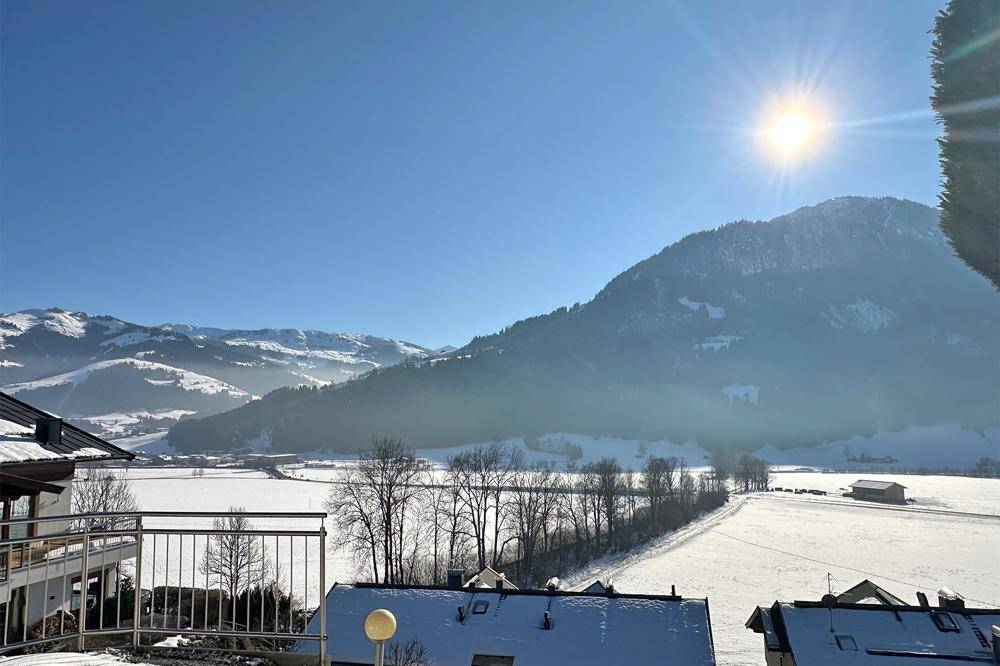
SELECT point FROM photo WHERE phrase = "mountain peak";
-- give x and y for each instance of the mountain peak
(833, 232)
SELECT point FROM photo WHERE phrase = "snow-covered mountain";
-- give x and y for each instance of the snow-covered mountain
(846, 318)
(120, 378)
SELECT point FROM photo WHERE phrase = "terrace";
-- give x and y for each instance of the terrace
(215, 578)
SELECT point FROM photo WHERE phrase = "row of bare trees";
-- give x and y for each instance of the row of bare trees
(748, 472)
(407, 522)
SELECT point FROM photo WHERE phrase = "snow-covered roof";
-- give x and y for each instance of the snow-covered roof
(869, 592)
(584, 628)
(18, 444)
(875, 485)
(488, 578)
(859, 634)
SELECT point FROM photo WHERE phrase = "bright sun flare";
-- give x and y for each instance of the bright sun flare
(791, 131)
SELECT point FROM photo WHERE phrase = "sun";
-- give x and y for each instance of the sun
(791, 131)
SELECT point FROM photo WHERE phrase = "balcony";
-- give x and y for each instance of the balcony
(221, 580)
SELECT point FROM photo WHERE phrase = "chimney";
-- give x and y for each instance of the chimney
(48, 430)
(500, 582)
(949, 599)
(456, 578)
(922, 600)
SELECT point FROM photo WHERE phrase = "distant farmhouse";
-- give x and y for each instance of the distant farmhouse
(878, 491)
(487, 578)
(504, 626)
(834, 632)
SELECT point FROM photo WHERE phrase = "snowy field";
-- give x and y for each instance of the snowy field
(753, 551)
(772, 546)
(176, 489)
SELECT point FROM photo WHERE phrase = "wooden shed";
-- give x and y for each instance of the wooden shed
(879, 491)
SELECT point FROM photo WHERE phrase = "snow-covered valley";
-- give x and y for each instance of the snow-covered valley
(757, 549)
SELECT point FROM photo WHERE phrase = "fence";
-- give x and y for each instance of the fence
(75, 578)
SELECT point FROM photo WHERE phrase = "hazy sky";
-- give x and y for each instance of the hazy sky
(423, 170)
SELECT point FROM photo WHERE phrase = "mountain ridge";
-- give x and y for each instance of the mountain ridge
(722, 337)
(80, 364)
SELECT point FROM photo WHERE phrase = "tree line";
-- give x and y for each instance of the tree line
(407, 522)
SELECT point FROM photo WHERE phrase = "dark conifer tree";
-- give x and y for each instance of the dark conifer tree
(966, 68)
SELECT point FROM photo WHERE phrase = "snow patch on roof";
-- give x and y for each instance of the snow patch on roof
(874, 485)
(585, 629)
(911, 633)
(18, 444)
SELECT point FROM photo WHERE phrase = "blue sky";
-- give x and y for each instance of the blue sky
(427, 170)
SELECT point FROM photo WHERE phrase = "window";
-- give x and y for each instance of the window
(491, 660)
(20, 507)
(480, 606)
(93, 592)
(944, 621)
(847, 643)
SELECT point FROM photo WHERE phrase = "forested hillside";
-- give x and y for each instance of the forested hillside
(840, 319)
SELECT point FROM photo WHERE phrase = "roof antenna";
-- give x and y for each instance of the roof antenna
(830, 602)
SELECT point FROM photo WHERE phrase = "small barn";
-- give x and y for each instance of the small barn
(879, 491)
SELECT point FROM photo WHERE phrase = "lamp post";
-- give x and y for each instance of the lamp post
(380, 626)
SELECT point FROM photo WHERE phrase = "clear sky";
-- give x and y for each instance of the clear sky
(424, 170)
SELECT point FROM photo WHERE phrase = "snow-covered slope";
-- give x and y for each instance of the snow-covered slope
(120, 378)
(125, 385)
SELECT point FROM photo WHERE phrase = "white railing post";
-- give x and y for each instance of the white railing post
(322, 592)
(84, 585)
(137, 586)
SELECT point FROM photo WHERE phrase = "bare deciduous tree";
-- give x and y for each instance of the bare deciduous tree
(410, 653)
(372, 507)
(103, 491)
(480, 477)
(236, 562)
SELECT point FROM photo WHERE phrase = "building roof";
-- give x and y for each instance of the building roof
(584, 628)
(599, 587)
(18, 445)
(875, 485)
(867, 592)
(488, 578)
(865, 634)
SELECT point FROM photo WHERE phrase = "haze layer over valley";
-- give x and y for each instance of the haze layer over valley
(843, 319)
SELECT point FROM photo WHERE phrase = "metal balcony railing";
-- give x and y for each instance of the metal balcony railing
(216, 576)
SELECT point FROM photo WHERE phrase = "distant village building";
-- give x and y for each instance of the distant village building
(38, 458)
(490, 578)
(878, 491)
(599, 587)
(477, 626)
(836, 633)
(269, 459)
(867, 592)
